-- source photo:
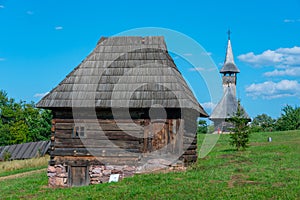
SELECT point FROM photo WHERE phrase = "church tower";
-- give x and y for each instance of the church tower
(228, 105)
(229, 70)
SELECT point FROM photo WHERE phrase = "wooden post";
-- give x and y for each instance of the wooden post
(179, 136)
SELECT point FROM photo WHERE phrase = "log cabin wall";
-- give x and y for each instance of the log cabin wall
(88, 151)
(78, 145)
(131, 135)
(110, 142)
(190, 136)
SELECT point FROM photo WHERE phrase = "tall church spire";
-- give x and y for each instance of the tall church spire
(229, 65)
(228, 33)
(228, 105)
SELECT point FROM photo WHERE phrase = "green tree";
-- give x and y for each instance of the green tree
(289, 119)
(39, 123)
(239, 137)
(202, 127)
(19, 131)
(210, 128)
(22, 122)
(5, 136)
(262, 122)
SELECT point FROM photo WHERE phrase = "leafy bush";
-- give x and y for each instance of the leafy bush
(6, 156)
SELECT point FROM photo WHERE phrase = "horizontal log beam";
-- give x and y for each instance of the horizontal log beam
(95, 152)
(88, 160)
(88, 143)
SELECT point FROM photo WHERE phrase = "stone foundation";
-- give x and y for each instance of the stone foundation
(101, 174)
(58, 174)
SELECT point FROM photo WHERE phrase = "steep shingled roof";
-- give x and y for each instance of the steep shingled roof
(122, 72)
(229, 65)
(227, 107)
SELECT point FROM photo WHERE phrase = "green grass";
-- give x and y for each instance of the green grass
(266, 170)
(20, 166)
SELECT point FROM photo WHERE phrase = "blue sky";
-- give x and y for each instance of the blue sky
(42, 41)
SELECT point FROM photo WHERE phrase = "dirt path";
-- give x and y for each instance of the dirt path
(21, 174)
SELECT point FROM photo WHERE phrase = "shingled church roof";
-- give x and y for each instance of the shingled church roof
(227, 107)
(122, 72)
(229, 65)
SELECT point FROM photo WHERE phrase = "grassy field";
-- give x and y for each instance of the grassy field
(267, 170)
(20, 166)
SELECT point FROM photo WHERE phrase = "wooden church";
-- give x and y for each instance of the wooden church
(124, 104)
(228, 105)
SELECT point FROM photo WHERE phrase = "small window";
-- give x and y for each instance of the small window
(78, 132)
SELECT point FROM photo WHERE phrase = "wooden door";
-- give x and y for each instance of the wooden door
(158, 135)
(161, 136)
(78, 176)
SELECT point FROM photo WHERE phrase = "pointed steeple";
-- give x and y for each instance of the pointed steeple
(229, 65)
(228, 105)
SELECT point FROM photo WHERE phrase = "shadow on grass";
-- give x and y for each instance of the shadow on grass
(229, 150)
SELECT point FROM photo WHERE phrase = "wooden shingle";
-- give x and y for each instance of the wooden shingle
(120, 65)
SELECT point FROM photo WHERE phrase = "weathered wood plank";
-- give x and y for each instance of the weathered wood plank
(90, 160)
(188, 140)
(80, 143)
(104, 127)
(191, 135)
(107, 121)
(190, 147)
(64, 126)
(190, 152)
(190, 158)
(95, 152)
(100, 134)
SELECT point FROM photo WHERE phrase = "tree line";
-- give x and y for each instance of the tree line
(241, 129)
(22, 122)
(288, 120)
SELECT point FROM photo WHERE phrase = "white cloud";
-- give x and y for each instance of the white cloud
(281, 58)
(206, 53)
(201, 69)
(59, 28)
(293, 50)
(278, 57)
(291, 20)
(29, 12)
(267, 58)
(288, 20)
(208, 105)
(187, 54)
(286, 72)
(272, 90)
(191, 54)
(197, 69)
(220, 64)
(40, 95)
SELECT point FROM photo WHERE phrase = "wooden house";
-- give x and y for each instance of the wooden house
(124, 104)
